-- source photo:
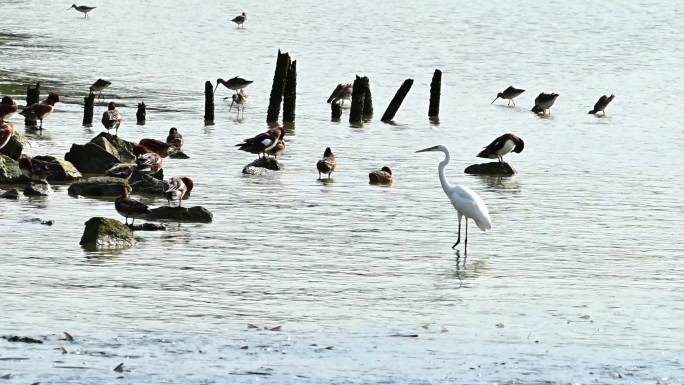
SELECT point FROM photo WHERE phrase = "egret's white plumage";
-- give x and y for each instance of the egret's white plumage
(466, 201)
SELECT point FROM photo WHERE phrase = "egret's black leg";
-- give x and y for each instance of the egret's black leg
(459, 233)
(465, 248)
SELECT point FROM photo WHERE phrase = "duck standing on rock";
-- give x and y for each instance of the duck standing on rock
(35, 170)
(543, 103)
(175, 139)
(7, 108)
(279, 149)
(147, 161)
(112, 118)
(41, 110)
(7, 130)
(502, 146)
(130, 208)
(157, 146)
(179, 187)
(327, 164)
(382, 176)
(121, 170)
(263, 142)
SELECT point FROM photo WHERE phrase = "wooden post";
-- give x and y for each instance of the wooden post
(396, 101)
(278, 87)
(435, 93)
(290, 94)
(141, 114)
(32, 97)
(88, 107)
(208, 103)
(335, 112)
(367, 98)
(358, 92)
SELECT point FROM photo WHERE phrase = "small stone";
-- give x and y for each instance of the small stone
(26, 340)
(491, 168)
(10, 194)
(106, 233)
(267, 163)
(180, 214)
(38, 189)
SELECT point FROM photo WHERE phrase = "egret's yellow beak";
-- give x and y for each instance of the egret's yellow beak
(427, 149)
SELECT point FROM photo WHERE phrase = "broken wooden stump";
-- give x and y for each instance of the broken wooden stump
(396, 101)
(435, 94)
(32, 97)
(278, 87)
(367, 99)
(88, 109)
(141, 113)
(290, 94)
(208, 103)
(335, 112)
(358, 93)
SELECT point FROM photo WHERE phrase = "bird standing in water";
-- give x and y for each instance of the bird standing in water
(327, 164)
(543, 103)
(466, 202)
(509, 93)
(41, 110)
(240, 20)
(382, 176)
(601, 104)
(175, 138)
(502, 146)
(234, 84)
(239, 99)
(112, 118)
(84, 9)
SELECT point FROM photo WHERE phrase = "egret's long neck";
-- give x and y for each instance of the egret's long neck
(442, 166)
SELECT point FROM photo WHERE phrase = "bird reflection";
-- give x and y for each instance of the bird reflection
(499, 182)
(466, 271)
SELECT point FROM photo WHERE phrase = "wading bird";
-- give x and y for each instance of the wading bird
(234, 84)
(543, 102)
(601, 104)
(239, 99)
(178, 188)
(509, 93)
(263, 142)
(240, 20)
(7, 130)
(7, 108)
(174, 138)
(35, 170)
(41, 110)
(327, 164)
(466, 202)
(130, 208)
(84, 9)
(112, 118)
(341, 93)
(502, 146)
(98, 86)
(382, 176)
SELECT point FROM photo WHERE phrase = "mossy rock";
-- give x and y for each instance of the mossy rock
(60, 170)
(267, 163)
(106, 233)
(180, 214)
(99, 186)
(9, 171)
(143, 183)
(13, 148)
(123, 147)
(491, 168)
(91, 158)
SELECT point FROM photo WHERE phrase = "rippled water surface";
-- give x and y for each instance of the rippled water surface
(580, 280)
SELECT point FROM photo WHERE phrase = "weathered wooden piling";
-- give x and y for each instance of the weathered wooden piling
(32, 97)
(367, 98)
(141, 114)
(88, 109)
(435, 93)
(290, 94)
(358, 93)
(396, 101)
(278, 87)
(208, 103)
(335, 112)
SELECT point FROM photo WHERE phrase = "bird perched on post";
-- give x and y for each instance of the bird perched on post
(130, 208)
(35, 170)
(7, 130)
(601, 104)
(543, 102)
(41, 110)
(7, 107)
(263, 142)
(502, 146)
(98, 86)
(382, 176)
(466, 201)
(112, 118)
(341, 93)
(327, 164)
(234, 84)
(509, 93)
(174, 138)
(84, 9)
(178, 188)
(240, 20)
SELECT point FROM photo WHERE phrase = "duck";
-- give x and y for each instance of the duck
(327, 164)
(382, 176)
(179, 187)
(509, 93)
(33, 169)
(7, 130)
(601, 104)
(278, 149)
(240, 20)
(121, 170)
(112, 118)
(7, 107)
(502, 146)
(147, 160)
(234, 84)
(157, 146)
(341, 93)
(174, 138)
(543, 102)
(99, 85)
(263, 142)
(41, 110)
(130, 208)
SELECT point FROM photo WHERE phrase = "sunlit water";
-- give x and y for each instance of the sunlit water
(579, 281)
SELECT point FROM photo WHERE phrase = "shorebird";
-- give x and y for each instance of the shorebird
(341, 93)
(382, 176)
(7, 107)
(158, 147)
(278, 149)
(148, 162)
(327, 164)
(178, 188)
(543, 102)
(174, 138)
(7, 129)
(41, 110)
(234, 84)
(35, 170)
(502, 146)
(130, 208)
(84, 9)
(263, 142)
(239, 98)
(466, 201)
(240, 20)
(601, 104)
(98, 86)
(112, 118)
(509, 93)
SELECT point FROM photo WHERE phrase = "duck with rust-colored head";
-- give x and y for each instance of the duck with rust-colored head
(7, 130)
(502, 146)
(262, 143)
(179, 187)
(157, 146)
(146, 160)
(35, 170)
(327, 164)
(41, 110)
(7, 107)
(112, 118)
(382, 176)
(175, 139)
(130, 208)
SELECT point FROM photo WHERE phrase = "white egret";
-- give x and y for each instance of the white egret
(466, 201)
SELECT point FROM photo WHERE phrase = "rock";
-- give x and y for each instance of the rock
(123, 147)
(60, 170)
(10, 194)
(26, 340)
(180, 214)
(106, 233)
(491, 168)
(92, 158)
(179, 155)
(37, 189)
(9, 171)
(14, 147)
(258, 171)
(98, 186)
(143, 183)
(148, 227)
(267, 163)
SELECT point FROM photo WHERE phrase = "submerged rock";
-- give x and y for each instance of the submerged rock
(60, 170)
(267, 163)
(106, 233)
(14, 147)
(148, 227)
(26, 340)
(99, 186)
(38, 189)
(10, 194)
(180, 214)
(491, 168)
(92, 158)
(179, 155)
(9, 171)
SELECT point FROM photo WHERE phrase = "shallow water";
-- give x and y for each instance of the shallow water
(581, 272)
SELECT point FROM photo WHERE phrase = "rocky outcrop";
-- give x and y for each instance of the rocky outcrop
(180, 214)
(123, 147)
(263, 163)
(60, 170)
(491, 168)
(98, 186)
(37, 189)
(9, 171)
(14, 147)
(10, 194)
(106, 233)
(91, 158)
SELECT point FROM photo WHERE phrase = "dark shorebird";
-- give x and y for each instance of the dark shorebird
(543, 102)
(98, 86)
(174, 138)
(382, 176)
(341, 93)
(509, 93)
(234, 84)
(502, 146)
(263, 142)
(327, 164)
(601, 104)
(7, 130)
(112, 118)
(147, 161)
(163, 149)
(7, 107)
(84, 9)
(130, 208)
(41, 110)
(278, 149)
(178, 188)
(240, 20)
(35, 170)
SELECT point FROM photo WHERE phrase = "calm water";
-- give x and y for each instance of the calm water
(581, 272)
